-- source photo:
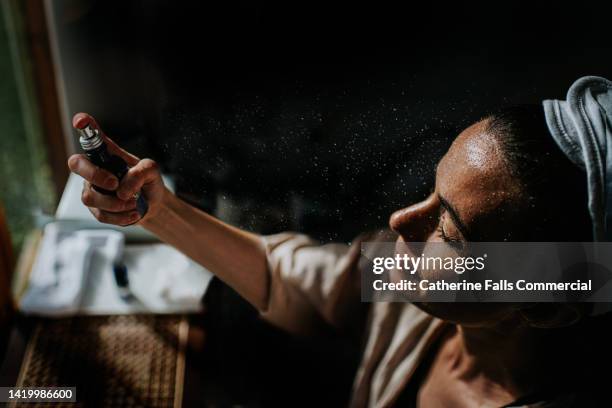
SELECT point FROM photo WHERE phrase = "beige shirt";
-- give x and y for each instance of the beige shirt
(313, 284)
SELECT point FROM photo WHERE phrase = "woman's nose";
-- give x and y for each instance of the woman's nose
(416, 222)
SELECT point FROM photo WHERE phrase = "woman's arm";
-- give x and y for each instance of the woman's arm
(237, 257)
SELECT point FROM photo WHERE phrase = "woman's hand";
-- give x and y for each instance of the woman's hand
(237, 257)
(143, 176)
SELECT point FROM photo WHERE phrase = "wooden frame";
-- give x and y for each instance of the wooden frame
(43, 73)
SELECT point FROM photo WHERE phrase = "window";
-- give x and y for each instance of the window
(25, 180)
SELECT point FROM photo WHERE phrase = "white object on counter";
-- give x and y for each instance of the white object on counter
(73, 274)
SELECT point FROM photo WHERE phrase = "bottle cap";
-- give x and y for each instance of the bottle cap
(90, 137)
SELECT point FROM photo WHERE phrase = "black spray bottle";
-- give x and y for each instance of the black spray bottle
(93, 144)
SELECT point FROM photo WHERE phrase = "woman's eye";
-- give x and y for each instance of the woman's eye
(450, 238)
(443, 234)
(440, 228)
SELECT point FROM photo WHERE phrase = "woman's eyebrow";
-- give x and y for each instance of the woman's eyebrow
(453, 213)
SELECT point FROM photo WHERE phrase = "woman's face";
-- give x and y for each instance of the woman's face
(475, 199)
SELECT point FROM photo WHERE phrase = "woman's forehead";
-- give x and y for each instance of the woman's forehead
(473, 174)
(474, 148)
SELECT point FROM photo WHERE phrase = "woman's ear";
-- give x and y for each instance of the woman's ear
(551, 315)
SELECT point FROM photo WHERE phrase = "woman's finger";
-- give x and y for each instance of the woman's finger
(110, 203)
(114, 148)
(80, 164)
(144, 172)
(121, 219)
(80, 120)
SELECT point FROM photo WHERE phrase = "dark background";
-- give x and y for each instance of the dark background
(311, 116)
(317, 117)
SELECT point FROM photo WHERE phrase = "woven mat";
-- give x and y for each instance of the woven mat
(113, 361)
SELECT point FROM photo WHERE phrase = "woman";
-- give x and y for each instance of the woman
(500, 180)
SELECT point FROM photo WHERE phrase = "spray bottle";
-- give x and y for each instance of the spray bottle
(95, 148)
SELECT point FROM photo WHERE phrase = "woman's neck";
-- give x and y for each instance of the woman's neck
(511, 354)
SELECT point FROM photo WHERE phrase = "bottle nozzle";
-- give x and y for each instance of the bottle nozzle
(90, 137)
